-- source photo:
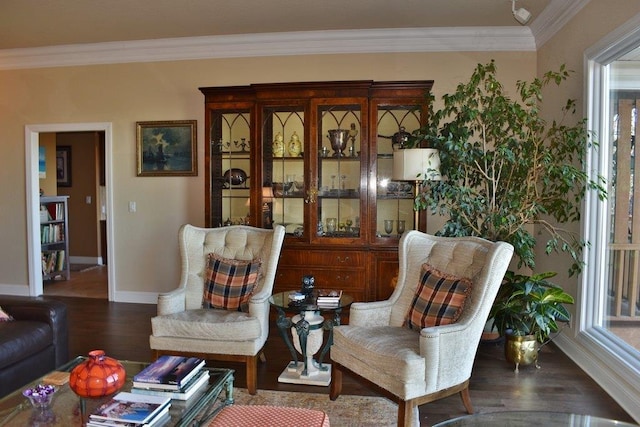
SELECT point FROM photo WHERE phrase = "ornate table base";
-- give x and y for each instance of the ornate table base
(307, 330)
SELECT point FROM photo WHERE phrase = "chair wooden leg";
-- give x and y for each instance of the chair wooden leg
(335, 388)
(466, 400)
(405, 413)
(252, 374)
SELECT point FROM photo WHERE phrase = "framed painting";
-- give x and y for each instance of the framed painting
(167, 148)
(63, 165)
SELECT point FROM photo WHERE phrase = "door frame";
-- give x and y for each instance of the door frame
(32, 143)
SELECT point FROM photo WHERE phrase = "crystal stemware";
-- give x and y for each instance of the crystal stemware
(388, 226)
(401, 226)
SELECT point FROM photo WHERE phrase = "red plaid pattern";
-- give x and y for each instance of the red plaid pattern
(229, 282)
(439, 299)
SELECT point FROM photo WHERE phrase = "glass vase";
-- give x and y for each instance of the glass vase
(97, 376)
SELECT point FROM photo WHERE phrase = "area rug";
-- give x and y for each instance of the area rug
(345, 411)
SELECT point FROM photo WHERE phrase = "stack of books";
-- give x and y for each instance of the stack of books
(132, 410)
(175, 377)
(328, 298)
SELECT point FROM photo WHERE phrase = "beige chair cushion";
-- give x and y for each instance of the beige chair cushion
(207, 324)
(389, 350)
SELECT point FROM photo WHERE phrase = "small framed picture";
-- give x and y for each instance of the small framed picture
(63, 165)
(167, 148)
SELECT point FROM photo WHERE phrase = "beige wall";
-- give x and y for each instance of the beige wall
(145, 242)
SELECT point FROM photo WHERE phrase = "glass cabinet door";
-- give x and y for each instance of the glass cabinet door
(284, 184)
(394, 199)
(338, 180)
(231, 145)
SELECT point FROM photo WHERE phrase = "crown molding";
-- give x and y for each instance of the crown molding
(450, 39)
(554, 17)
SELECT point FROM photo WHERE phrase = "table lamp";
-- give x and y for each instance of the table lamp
(416, 164)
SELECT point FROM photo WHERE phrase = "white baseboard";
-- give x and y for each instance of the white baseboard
(20, 290)
(136, 297)
(85, 260)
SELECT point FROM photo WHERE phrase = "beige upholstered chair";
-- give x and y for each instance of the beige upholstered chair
(412, 367)
(183, 326)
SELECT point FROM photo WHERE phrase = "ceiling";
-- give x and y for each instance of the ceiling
(37, 23)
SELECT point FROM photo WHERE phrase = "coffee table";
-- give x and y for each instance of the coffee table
(528, 418)
(68, 409)
(309, 325)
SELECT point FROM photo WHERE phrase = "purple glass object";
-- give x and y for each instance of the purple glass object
(40, 396)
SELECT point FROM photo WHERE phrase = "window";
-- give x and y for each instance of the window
(609, 319)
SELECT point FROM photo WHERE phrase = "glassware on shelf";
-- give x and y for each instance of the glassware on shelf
(333, 182)
(401, 226)
(388, 226)
(332, 224)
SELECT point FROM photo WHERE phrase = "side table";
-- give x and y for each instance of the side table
(307, 325)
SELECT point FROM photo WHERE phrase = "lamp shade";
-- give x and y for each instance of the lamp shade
(416, 164)
(267, 194)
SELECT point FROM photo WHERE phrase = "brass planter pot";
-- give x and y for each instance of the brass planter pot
(521, 350)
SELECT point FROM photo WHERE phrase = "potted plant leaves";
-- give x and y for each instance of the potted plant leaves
(527, 311)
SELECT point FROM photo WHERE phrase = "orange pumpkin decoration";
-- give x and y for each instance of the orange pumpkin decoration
(97, 376)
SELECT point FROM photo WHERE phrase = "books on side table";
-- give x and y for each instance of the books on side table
(131, 410)
(328, 297)
(175, 377)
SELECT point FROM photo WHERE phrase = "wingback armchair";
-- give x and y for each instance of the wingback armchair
(185, 323)
(423, 364)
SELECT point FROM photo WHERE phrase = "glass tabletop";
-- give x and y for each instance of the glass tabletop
(67, 408)
(281, 300)
(529, 418)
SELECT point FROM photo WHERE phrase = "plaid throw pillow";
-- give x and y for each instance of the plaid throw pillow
(439, 299)
(4, 316)
(229, 283)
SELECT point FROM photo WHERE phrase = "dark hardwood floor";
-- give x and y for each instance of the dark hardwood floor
(122, 330)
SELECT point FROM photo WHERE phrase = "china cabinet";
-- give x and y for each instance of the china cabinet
(318, 159)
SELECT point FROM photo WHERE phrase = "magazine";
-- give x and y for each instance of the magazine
(129, 407)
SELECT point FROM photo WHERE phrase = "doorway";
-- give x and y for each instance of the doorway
(32, 137)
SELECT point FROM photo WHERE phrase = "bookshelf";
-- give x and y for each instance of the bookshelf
(54, 237)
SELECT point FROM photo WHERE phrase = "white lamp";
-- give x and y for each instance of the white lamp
(416, 164)
(267, 200)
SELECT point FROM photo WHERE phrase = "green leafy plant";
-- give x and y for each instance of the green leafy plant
(507, 172)
(530, 305)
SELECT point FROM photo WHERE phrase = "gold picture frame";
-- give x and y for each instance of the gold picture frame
(167, 148)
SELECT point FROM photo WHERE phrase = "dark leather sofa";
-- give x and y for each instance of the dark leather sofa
(36, 342)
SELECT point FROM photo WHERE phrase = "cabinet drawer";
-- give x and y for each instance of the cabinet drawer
(328, 259)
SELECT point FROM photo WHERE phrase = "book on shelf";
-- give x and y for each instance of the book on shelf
(168, 372)
(191, 388)
(127, 407)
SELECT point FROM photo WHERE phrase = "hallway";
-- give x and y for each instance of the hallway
(92, 283)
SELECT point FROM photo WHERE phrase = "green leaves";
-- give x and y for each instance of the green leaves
(530, 305)
(505, 168)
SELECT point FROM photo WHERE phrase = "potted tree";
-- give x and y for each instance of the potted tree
(507, 173)
(528, 309)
